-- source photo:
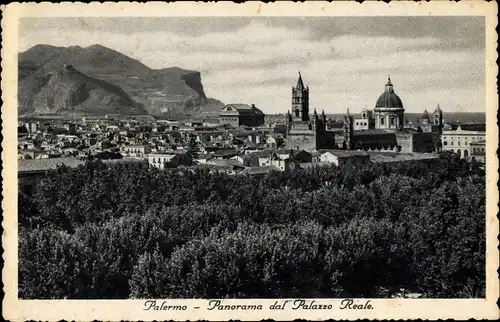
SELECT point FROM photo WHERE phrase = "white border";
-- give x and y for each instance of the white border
(114, 310)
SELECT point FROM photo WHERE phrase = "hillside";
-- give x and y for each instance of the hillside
(69, 91)
(162, 91)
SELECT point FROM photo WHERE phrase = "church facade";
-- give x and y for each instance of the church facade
(380, 129)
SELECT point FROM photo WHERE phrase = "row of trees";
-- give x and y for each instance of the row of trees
(127, 230)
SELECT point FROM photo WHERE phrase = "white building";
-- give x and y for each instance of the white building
(136, 150)
(159, 160)
(458, 141)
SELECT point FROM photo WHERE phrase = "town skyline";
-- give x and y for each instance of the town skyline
(345, 61)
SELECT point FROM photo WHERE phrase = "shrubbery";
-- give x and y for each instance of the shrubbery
(127, 230)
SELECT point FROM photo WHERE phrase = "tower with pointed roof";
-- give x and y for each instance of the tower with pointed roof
(348, 130)
(425, 117)
(437, 127)
(300, 101)
(438, 116)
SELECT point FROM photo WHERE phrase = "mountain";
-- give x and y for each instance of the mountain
(69, 91)
(170, 91)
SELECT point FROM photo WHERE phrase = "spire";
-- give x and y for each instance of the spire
(323, 112)
(388, 85)
(438, 109)
(300, 83)
(426, 115)
(315, 112)
(388, 81)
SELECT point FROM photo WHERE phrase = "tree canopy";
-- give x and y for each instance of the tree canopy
(129, 230)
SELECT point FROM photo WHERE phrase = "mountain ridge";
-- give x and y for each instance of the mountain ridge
(70, 91)
(166, 91)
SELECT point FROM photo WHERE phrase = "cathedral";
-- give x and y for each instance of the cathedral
(381, 129)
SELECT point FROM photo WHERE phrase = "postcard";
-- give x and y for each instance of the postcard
(223, 161)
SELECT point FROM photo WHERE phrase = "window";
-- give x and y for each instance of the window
(458, 143)
(357, 123)
(382, 121)
(445, 143)
(392, 121)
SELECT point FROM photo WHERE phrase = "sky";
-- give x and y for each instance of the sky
(344, 60)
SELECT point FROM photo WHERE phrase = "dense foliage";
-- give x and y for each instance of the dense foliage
(127, 230)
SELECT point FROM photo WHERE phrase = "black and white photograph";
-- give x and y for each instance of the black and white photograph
(252, 157)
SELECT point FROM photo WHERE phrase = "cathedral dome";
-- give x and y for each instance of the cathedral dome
(389, 99)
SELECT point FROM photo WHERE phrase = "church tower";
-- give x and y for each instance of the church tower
(348, 131)
(300, 101)
(438, 116)
(437, 128)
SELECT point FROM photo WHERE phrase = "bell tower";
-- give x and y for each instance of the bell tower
(300, 101)
(348, 131)
(438, 116)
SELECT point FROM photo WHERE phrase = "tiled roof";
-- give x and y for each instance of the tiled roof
(233, 163)
(398, 157)
(260, 170)
(47, 164)
(315, 164)
(245, 108)
(342, 153)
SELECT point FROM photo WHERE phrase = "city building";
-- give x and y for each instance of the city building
(382, 129)
(136, 150)
(459, 140)
(160, 160)
(241, 114)
(478, 151)
(341, 158)
(304, 132)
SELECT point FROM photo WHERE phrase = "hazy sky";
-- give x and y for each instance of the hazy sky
(345, 61)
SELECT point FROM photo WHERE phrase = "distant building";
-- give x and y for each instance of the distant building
(382, 129)
(160, 160)
(70, 127)
(389, 109)
(31, 172)
(302, 130)
(459, 140)
(341, 158)
(32, 127)
(478, 151)
(241, 114)
(366, 122)
(259, 171)
(136, 150)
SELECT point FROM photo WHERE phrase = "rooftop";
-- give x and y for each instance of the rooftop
(343, 153)
(315, 164)
(399, 157)
(260, 170)
(47, 164)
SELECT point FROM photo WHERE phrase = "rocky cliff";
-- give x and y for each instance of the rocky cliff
(170, 91)
(69, 91)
